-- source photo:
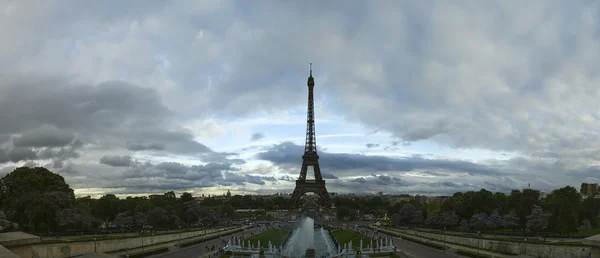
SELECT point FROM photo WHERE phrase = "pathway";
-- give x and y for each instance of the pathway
(461, 247)
(200, 250)
(413, 250)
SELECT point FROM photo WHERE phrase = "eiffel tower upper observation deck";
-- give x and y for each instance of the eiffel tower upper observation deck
(310, 159)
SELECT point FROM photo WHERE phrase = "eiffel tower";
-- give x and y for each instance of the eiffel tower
(310, 159)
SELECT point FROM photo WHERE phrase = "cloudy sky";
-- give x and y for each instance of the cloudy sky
(428, 97)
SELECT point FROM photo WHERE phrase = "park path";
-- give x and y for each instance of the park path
(411, 250)
(492, 236)
(203, 249)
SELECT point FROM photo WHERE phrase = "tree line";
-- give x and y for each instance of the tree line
(563, 211)
(41, 201)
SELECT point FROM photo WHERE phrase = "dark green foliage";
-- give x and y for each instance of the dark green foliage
(33, 197)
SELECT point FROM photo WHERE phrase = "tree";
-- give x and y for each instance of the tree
(228, 211)
(6, 224)
(406, 213)
(565, 205)
(494, 220)
(590, 210)
(448, 219)
(160, 218)
(76, 217)
(396, 219)
(211, 218)
(191, 213)
(464, 225)
(33, 196)
(510, 220)
(131, 219)
(109, 207)
(432, 219)
(417, 217)
(538, 219)
(479, 221)
(586, 225)
(342, 212)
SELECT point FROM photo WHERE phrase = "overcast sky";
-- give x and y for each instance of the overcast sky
(429, 97)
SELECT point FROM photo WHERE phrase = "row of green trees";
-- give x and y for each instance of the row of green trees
(562, 211)
(38, 199)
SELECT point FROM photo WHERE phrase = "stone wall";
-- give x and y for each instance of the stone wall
(531, 249)
(63, 250)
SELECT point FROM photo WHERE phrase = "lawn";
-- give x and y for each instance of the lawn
(276, 236)
(345, 236)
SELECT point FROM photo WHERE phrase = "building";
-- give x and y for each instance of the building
(589, 189)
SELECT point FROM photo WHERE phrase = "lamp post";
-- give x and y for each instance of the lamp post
(444, 241)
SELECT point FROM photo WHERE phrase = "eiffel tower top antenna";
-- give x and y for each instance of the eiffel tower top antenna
(310, 145)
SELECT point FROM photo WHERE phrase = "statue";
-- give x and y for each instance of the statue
(262, 252)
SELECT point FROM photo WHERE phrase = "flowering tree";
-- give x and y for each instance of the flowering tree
(432, 219)
(538, 219)
(448, 219)
(75, 217)
(510, 219)
(479, 221)
(406, 212)
(464, 225)
(129, 219)
(211, 218)
(494, 220)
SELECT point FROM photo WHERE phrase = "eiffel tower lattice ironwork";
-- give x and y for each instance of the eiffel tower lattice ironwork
(310, 159)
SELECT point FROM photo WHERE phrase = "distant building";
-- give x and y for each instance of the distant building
(589, 189)
(437, 199)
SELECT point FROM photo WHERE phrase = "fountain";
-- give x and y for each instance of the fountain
(305, 240)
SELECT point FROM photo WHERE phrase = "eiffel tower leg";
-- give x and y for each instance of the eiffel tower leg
(298, 192)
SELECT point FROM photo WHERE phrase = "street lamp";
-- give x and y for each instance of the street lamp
(444, 241)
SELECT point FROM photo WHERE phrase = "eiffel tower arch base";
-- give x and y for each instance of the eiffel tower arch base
(310, 186)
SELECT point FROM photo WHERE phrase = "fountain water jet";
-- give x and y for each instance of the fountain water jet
(307, 237)
(301, 239)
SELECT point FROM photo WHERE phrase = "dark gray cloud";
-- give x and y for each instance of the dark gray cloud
(108, 115)
(44, 136)
(372, 145)
(257, 136)
(145, 177)
(141, 146)
(328, 175)
(116, 161)
(287, 153)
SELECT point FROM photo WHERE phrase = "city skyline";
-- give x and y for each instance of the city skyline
(410, 97)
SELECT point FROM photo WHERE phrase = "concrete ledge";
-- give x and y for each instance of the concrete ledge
(593, 240)
(18, 238)
(97, 255)
(5, 253)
